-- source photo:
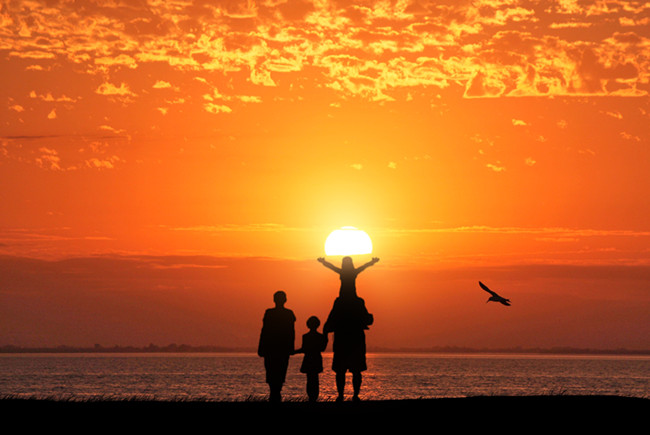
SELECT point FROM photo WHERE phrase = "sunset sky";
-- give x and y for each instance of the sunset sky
(166, 165)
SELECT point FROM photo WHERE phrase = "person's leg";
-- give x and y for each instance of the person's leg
(340, 384)
(356, 384)
(312, 386)
(276, 392)
(276, 369)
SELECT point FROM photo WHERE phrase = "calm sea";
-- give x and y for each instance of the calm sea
(389, 376)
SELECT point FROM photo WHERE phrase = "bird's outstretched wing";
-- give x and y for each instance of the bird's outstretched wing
(484, 287)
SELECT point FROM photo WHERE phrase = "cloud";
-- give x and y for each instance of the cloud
(629, 136)
(228, 228)
(483, 85)
(121, 59)
(249, 98)
(161, 84)
(111, 89)
(111, 129)
(616, 115)
(49, 159)
(105, 163)
(217, 108)
(539, 233)
(496, 167)
(378, 51)
(569, 25)
(49, 98)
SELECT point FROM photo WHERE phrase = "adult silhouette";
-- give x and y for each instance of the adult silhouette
(347, 272)
(348, 320)
(276, 344)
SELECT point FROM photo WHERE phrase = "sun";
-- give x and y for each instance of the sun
(348, 241)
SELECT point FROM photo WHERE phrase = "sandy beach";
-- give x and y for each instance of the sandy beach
(505, 413)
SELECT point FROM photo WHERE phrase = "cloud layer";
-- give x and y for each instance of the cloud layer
(376, 50)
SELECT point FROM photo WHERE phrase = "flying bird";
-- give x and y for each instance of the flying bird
(495, 297)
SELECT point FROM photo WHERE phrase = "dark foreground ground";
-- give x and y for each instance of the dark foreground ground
(530, 414)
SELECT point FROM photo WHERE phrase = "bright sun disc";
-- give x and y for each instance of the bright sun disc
(348, 241)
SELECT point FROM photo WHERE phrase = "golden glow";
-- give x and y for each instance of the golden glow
(215, 145)
(348, 241)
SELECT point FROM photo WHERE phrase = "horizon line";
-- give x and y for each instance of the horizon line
(186, 348)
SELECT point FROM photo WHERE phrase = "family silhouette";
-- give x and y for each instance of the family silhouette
(348, 320)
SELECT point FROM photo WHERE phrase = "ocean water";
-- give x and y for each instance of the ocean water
(239, 376)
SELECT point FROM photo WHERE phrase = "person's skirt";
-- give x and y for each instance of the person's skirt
(312, 363)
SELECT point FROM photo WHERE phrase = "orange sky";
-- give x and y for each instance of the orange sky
(166, 165)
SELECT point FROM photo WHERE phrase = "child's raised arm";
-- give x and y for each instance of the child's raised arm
(367, 265)
(329, 265)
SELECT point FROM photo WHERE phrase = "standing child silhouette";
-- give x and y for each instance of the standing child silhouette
(313, 343)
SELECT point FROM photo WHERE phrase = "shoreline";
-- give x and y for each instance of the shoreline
(469, 352)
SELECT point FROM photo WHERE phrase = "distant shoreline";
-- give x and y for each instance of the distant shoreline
(173, 348)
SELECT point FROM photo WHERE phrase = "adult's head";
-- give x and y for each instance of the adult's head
(346, 263)
(279, 298)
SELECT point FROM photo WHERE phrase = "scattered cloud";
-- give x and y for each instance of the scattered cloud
(50, 98)
(105, 163)
(629, 136)
(161, 84)
(259, 227)
(217, 108)
(547, 231)
(121, 60)
(49, 159)
(111, 129)
(111, 89)
(496, 167)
